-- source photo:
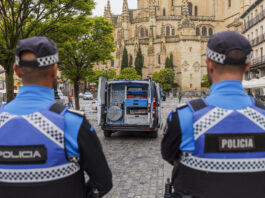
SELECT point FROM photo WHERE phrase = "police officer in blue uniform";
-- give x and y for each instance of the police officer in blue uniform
(45, 148)
(217, 144)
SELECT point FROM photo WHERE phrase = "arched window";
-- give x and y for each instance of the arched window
(112, 63)
(130, 61)
(204, 31)
(146, 33)
(173, 32)
(210, 31)
(197, 31)
(190, 8)
(159, 59)
(142, 32)
(167, 31)
(164, 12)
(172, 2)
(196, 11)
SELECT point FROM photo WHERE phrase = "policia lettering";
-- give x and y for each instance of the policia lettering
(236, 143)
(23, 154)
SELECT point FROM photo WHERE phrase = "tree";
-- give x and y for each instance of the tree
(22, 19)
(81, 49)
(167, 63)
(125, 61)
(139, 62)
(171, 62)
(165, 77)
(205, 81)
(129, 73)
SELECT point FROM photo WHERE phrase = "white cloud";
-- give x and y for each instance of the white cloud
(116, 6)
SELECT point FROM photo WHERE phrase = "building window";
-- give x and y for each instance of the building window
(197, 31)
(159, 59)
(164, 12)
(190, 9)
(173, 32)
(210, 31)
(204, 31)
(229, 3)
(146, 33)
(172, 2)
(131, 60)
(190, 85)
(196, 11)
(142, 32)
(167, 31)
(112, 63)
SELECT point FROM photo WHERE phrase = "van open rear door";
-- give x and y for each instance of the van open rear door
(101, 100)
(159, 103)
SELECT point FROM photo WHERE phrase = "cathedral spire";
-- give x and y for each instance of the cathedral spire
(125, 11)
(107, 12)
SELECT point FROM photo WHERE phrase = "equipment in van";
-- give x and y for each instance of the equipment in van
(129, 105)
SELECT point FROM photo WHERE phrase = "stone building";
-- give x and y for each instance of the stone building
(253, 29)
(176, 28)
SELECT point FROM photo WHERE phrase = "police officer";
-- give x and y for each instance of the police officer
(217, 144)
(45, 147)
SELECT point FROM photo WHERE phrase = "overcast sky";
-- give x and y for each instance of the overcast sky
(116, 6)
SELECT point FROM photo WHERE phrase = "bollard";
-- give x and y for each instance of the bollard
(168, 189)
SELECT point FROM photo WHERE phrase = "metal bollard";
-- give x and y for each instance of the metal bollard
(168, 189)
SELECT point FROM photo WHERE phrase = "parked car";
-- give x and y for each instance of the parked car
(88, 96)
(81, 95)
(94, 104)
(129, 105)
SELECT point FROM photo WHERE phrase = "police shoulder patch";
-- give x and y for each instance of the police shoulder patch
(80, 113)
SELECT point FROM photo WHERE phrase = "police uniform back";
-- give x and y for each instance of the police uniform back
(44, 146)
(217, 144)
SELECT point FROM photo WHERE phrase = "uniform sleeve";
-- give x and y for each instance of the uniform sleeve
(93, 161)
(170, 146)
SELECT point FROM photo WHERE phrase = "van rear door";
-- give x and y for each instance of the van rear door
(159, 103)
(101, 100)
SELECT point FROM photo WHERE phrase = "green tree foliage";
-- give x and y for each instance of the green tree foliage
(169, 62)
(129, 73)
(165, 77)
(125, 61)
(94, 75)
(139, 62)
(79, 50)
(22, 19)
(205, 81)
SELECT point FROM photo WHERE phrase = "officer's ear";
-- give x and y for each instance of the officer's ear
(16, 69)
(247, 67)
(210, 64)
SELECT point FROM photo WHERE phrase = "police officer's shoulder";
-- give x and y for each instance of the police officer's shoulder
(76, 112)
(182, 106)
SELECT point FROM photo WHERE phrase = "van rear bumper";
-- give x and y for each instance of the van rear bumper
(128, 128)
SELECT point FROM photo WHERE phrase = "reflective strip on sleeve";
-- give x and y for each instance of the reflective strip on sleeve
(38, 175)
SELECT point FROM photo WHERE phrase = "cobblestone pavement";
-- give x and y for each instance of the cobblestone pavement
(134, 158)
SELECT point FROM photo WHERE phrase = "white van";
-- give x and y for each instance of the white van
(129, 105)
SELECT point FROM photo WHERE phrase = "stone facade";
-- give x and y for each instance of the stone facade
(177, 28)
(253, 29)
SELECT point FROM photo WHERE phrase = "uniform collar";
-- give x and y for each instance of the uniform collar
(36, 91)
(228, 87)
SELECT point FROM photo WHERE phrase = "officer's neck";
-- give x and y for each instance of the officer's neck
(226, 76)
(44, 84)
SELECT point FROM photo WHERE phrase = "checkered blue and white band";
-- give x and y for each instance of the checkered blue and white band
(220, 58)
(38, 175)
(224, 165)
(43, 61)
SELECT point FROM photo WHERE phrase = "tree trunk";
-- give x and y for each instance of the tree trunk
(76, 94)
(9, 83)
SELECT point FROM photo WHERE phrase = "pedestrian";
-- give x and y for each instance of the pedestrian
(45, 148)
(217, 144)
(70, 101)
(179, 97)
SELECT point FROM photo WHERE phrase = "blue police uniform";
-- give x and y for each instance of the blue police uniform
(45, 148)
(216, 144)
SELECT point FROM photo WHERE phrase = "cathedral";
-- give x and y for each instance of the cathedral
(178, 29)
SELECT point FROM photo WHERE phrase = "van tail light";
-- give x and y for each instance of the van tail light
(154, 105)
(93, 102)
